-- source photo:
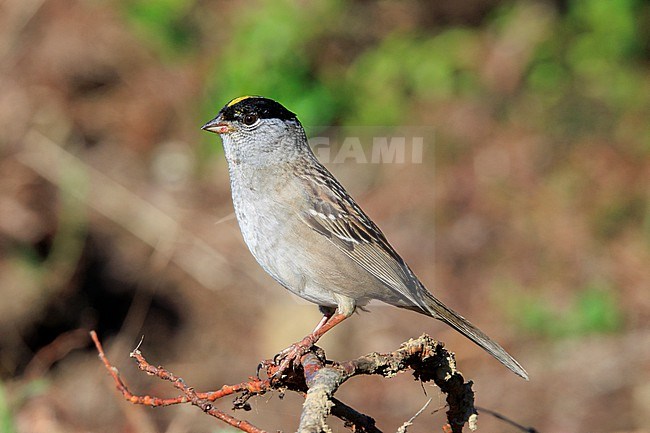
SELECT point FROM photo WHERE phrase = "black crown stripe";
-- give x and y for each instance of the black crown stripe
(264, 108)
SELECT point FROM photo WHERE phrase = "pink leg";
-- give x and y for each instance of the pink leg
(323, 321)
(293, 353)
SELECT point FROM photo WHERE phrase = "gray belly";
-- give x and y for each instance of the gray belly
(300, 259)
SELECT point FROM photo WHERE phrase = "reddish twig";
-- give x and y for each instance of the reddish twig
(201, 400)
(317, 380)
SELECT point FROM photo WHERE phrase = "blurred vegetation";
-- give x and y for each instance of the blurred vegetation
(585, 74)
(536, 195)
(594, 309)
(269, 54)
(167, 25)
(6, 417)
(582, 73)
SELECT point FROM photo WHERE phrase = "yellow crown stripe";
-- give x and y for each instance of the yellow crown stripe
(236, 100)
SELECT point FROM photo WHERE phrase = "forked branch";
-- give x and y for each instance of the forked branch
(318, 379)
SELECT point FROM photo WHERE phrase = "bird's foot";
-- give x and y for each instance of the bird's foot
(280, 363)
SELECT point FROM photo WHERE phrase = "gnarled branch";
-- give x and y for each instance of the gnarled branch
(318, 379)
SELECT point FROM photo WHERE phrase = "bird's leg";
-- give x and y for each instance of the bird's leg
(327, 312)
(292, 354)
(326, 316)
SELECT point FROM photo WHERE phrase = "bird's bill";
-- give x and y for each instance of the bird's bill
(218, 126)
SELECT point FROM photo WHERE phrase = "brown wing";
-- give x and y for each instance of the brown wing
(335, 215)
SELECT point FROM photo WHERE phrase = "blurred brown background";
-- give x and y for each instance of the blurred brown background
(530, 213)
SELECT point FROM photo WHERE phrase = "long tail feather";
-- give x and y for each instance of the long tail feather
(441, 312)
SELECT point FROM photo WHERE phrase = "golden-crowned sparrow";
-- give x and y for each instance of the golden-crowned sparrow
(306, 231)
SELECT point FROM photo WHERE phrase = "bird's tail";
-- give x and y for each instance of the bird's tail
(441, 312)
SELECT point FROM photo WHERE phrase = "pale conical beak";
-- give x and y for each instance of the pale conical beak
(218, 126)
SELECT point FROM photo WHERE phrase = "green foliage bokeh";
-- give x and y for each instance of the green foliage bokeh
(585, 75)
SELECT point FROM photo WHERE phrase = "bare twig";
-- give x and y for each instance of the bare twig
(318, 380)
(427, 358)
(507, 420)
(409, 423)
(201, 400)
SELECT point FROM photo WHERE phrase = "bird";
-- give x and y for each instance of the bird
(309, 234)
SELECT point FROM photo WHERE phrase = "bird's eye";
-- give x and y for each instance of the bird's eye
(249, 119)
